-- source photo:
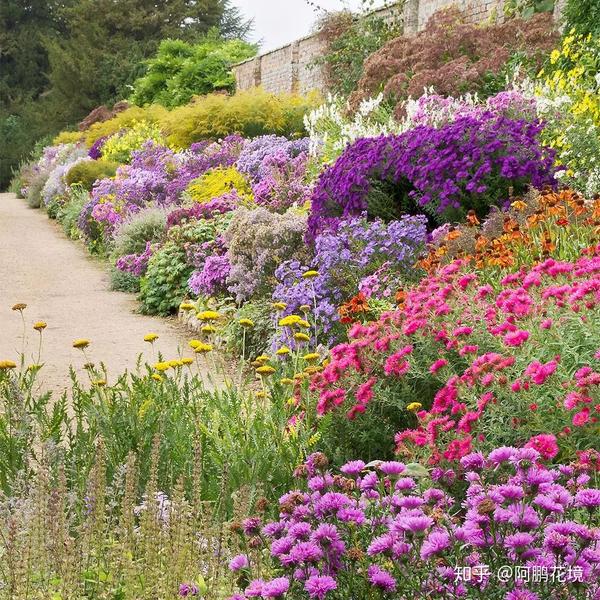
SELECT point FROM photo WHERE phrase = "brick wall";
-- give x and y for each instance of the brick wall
(291, 68)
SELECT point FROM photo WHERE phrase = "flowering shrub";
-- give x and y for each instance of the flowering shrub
(471, 163)
(218, 182)
(87, 172)
(462, 361)
(375, 531)
(454, 57)
(548, 224)
(120, 146)
(343, 260)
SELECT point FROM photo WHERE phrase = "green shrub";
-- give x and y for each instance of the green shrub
(164, 286)
(85, 173)
(148, 225)
(34, 190)
(119, 147)
(217, 182)
(255, 340)
(69, 212)
(121, 281)
(181, 70)
(583, 16)
(250, 113)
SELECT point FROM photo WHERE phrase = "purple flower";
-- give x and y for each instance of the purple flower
(353, 468)
(501, 455)
(188, 589)
(519, 542)
(276, 587)
(251, 526)
(254, 589)
(305, 553)
(521, 594)
(318, 586)
(381, 579)
(413, 523)
(239, 562)
(392, 467)
(435, 543)
(588, 498)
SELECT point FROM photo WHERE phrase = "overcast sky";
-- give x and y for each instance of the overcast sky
(279, 22)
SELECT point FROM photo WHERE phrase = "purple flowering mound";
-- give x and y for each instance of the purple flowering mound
(523, 532)
(472, 163)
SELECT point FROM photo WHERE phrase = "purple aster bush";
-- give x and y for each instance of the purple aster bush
(95, 151)
(474, 162)
(521, 530)
(361, 254)
(211, 278)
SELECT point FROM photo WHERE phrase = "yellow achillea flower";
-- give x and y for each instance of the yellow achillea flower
(300, 376)
(20, 306)
(305, 308)
(186, 306)
(150, 337)
(156, 377)
(414, 406)
(282, 351)
(7, 364)
(290, 321)
(203, 348)
(208, 329)
(162, 366)
(279, 305)
(311, 356)
(311, 370)
(310, 274)
(301, 337)
(187, 361)
(265, 370)
(263, 358)
(34, 368)
(193, 344)
(304, 324)
(81, 344)
(40, 326)
(260, 395)
(174, 363)
(99, 382)
(286, 381)
(208, 315)
(246, 323)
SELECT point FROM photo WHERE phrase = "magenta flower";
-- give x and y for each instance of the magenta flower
(318, 586)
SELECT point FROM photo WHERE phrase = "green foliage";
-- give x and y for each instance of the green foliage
(164, 286)
(583, 16)
(350, 39)
(145, 226)
(525, 9)
(181, 70)
(121, 281)
(254, 341)
(86, 172)
(250, 113)
(69, 212)
(119, 147)
(217, 182)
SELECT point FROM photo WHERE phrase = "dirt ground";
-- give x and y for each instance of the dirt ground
(63, 286)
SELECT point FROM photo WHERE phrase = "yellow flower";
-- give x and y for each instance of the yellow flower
(203, 348)
(247, 323)
(186, 306)
(286, 381)
(414, 406)
(150, 337)
(208, 329)
(310, 274)
(263, 358)
(156, 377)
(290, 321)
(519, 205)
(174, 363)
(312, 369)
(311, 356)
(7, 364)
(208, 315)
(291, 401)
(187, 361)
(81, 344)
(279, 305)
(40, 326)
(99, 382)
(305, 308)
(34, 368)
(301, 337)
(162, 366)
(300, 376)
(304, 324)
(260, 394)
(193, 344)
(282, 351)
(265, 370)
(20, 306)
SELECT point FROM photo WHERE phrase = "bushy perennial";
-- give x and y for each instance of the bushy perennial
(377, 531)
(473, 162)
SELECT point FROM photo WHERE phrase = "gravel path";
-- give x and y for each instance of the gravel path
(65, 287)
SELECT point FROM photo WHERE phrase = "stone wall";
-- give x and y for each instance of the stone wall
(292, 69)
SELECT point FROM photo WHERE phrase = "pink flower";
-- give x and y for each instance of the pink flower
(545, 444)
(516, 338)
(437, 365)
(546, 324)
(582, 417)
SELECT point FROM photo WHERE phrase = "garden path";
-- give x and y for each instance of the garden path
(70, 291)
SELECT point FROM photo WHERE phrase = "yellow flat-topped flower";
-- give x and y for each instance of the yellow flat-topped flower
(187, 306)
(81, 344)
(174, 363)
(311, 356)
(305, 308)
(279, 305)
(262, 358)
(414, 406)
(290, 321)
(301, 337)
(246, 323)
(208, 329)
(283, 351)
(208, 315)
(40, 325)
(310, 274)
(156, 377)
(99, 382)
(203, 348)
(265, 370)
(20, 306)
(304, 324)
(7, 364)
(161, 367)
(286, 381)
(193, 344)
(150, 337)
(312, 369)
(187, 361)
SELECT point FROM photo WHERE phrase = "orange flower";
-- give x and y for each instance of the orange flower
(472, 219)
